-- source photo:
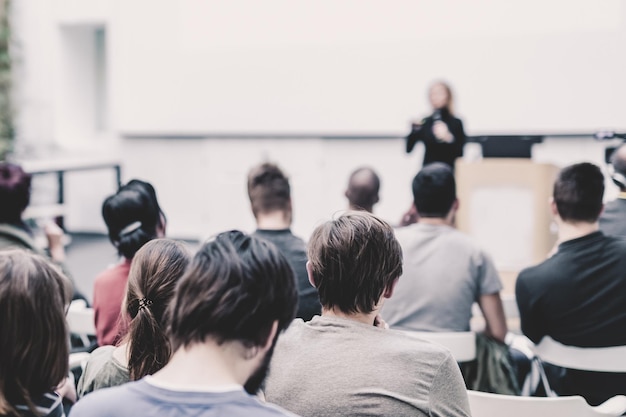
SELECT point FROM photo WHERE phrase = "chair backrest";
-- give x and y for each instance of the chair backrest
(80, 320)
(483, 404)
(462, 345)
(603, 359)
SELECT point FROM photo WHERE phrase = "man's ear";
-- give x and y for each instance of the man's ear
(389, 290)
(553, 208)
(309, 272)
(455, 205)
(271, 336)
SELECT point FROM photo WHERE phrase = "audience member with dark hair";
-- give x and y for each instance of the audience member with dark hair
(236, 297)
(577, 296)
(345, 362)
(33, 335)
(270, 198)
(14, 232)
(133, 218)
(613, 218)
(445, 272)
(363, 187)
(155, 270)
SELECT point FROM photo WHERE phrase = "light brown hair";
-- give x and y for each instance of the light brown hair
(354, 259)
(153, 276)
(34, 337)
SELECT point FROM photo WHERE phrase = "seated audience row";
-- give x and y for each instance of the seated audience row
(240, 292)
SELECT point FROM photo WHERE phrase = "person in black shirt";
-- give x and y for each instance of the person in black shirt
(442, 133)
(270, 198)
(578, 295)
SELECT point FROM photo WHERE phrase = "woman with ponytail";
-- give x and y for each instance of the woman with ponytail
(145, 349)
(133, 218)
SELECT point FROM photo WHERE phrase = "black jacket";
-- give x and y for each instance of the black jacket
(436, 150)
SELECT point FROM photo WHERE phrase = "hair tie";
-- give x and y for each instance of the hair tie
(130, 228)
(144, 303)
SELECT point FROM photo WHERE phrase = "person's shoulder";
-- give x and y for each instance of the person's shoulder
(411, 344)
(294, 332)
(458, 240)
(113, 273)
(618, 242)
(540, 273)
(108, 401)
(263, 409)
(408, 234)
(98, 359)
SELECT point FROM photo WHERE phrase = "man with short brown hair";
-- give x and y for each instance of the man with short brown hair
(345, 362)
(270, 200)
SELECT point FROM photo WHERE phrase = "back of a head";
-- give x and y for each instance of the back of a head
(154, 273)
(235, 288)
(363, 187)
(268, 189)
(618, 161)
(34, 341)
(14, 192)
(578, 193)
(434, 190)
(132, 217)
(353, 260)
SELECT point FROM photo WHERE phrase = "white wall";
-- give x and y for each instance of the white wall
(363, 66)
(282, 66)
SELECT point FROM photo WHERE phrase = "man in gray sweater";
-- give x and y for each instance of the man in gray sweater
(347, 362)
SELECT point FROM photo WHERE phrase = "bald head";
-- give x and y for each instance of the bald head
(362, 192)
(618, 160)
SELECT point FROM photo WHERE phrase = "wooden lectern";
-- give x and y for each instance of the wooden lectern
(504, 206)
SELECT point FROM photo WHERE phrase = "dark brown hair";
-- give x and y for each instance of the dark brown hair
(14, 192)
(354, 259)
(578, 192)
(268, 189)
(235, 288)
(134, 204)
(155, 270)
(34, 342)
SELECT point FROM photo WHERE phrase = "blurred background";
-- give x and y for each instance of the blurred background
(190, 94)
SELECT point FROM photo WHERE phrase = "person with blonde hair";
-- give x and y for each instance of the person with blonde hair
(441, 132)
(33, 335)
(145, 349)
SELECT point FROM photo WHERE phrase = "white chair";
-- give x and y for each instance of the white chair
(80, 320)
(483, 404)
(602, 359)
(462, 345)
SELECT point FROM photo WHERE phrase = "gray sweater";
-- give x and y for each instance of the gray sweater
(337, 367)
